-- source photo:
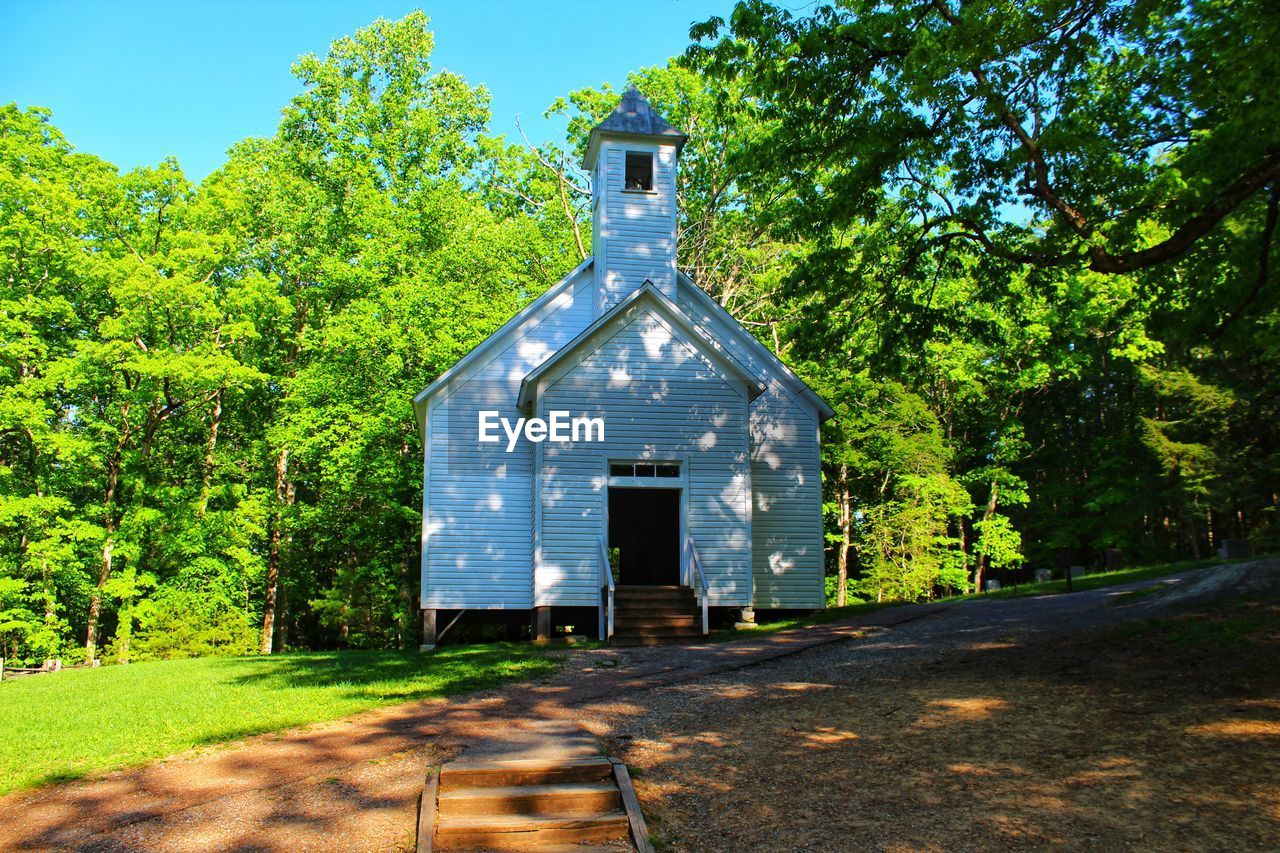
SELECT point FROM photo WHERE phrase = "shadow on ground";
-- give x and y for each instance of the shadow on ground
(395, 676)
(1153, 735)
(969, 726)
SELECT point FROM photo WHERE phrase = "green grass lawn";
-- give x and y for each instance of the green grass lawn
(68, 724)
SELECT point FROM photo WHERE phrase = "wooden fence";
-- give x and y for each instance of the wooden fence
(52, 665)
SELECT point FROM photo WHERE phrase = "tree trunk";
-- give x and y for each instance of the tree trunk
(50, 596)
(124, 632)
(46, 587)
(284, 495)
(846, 530)
(273, 581)
(108, 547)
(154, 419)
(206, 479)
(282, 607)
(1195, 540)
(408, 603)
(983, 559)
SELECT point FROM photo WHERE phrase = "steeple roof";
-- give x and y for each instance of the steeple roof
(632, 117)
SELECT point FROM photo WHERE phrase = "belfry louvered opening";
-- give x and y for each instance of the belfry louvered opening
(639, 174)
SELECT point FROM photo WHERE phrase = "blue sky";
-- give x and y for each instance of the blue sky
(134, 81)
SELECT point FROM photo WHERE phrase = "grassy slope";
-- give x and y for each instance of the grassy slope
(1079, 584)
(1101, 579)
(63, 726)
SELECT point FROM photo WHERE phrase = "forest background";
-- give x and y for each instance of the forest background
(1023, 249)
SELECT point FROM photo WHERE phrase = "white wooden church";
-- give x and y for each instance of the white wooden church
(667, 464)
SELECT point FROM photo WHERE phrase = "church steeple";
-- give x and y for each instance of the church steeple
(632, 158)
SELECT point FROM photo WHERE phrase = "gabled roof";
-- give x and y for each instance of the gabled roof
(543, 304)
(489, 344)
(650, 297)
(632, 117)
(762, 352)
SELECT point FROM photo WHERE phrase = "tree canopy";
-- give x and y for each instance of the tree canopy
(1099, 133)
(1023, 249)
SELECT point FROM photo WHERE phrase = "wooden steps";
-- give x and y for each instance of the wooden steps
(585, 798)
(525, 804)
(652, 620)
(650, 615)
(529, 771)
(527, 832)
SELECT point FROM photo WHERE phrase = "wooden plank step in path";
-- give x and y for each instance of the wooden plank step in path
(541, 785)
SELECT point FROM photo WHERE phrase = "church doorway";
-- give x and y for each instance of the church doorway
(644, 535)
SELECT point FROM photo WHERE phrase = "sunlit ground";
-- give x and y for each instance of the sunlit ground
(1157, 735)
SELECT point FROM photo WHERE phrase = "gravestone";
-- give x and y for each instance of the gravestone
(1234, 549)
(1044, 575)
(1075, 571)
(1064, 558)
(991, 586)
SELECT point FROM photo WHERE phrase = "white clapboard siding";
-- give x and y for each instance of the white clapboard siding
(718, 325)
(478, 525)
(635, 231)
(786, 469)
(786, 512)
(660, 399)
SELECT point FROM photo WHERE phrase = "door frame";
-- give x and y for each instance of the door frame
(680, 484)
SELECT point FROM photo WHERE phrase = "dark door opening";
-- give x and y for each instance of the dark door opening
(644, 525)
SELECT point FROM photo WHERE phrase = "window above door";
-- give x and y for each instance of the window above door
(651, 470)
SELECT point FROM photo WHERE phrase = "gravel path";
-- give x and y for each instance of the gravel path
(680, 717)
(998, 724)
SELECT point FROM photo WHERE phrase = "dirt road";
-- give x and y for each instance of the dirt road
(1022, 723)
(1047, 723)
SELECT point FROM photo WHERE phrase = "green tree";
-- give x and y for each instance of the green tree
(1103, 133)
(889, 478)
(50, 288)
(365, 213)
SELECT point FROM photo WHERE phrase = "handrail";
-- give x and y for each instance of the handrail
(693, 564)
(607, 590)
